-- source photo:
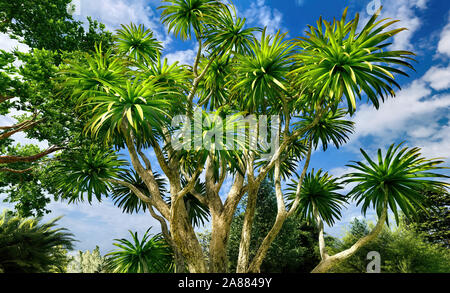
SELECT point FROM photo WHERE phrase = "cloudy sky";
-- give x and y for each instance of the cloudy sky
(419, 115)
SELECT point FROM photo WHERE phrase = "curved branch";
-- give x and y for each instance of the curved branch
(28, 159)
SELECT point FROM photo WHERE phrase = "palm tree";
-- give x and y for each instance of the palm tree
(392, 183)
(29, 246)
(151, 254)
(319, 202)
(233, 73)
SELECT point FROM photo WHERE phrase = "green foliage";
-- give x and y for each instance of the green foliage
(336, 60)
(402, 250)
(151, 254)
(88, 262)
(24, 189)
(319, 191)
(330, 128)
(397, 178)
(88, 173)
(29, 246)
(185, 17)
(293, 251)
(261, 75)
(52, 35)
(47, 24)
(434, 221)
(138, 43)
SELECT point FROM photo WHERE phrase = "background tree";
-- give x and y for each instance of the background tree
(31, 91)
(402, 250)
(133, 104)
(29, 246)
(294, 250)
(434, 222)
(88, 262)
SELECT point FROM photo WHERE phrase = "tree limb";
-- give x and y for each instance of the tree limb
(28, 159)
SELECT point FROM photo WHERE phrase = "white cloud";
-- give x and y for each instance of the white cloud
(438, 77)
(263, 15)
(8, 44)
(444, 43)
(100, 223)
(409, 109)
(113, 13)
(405, 11)
(185, 57)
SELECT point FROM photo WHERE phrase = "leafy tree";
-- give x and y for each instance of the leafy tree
(303, 81)
(394, 182)
(88, 262)
(48, 24)
(294, 250)
(32, 90)
(402, 250)
(434, 222)
(29, 246)
(148, 255)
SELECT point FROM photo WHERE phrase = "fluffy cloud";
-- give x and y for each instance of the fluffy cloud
(100, 223)
(185, 57)
(403, 10)
(438, 77)
(444, 43)
(263, 15)
(113, 13)
(9, 44)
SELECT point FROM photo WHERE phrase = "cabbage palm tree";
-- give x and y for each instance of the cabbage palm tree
(151, 254)
(319, 202)
(234, 73)
(29, 246)
(338, 60)
(392, 182)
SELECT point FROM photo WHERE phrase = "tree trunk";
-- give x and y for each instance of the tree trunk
(322, 248)
(244, 246)
(331, 261)
(185, 239)
(218, 246)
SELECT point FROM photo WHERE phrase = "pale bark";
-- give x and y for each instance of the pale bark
(322, 247)
(282, 214)
(281, 217)
(330, 261)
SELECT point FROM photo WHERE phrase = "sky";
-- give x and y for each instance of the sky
(418, 116)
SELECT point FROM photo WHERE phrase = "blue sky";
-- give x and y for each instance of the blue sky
(419, 115)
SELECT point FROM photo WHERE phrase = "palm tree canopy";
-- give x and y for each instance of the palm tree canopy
(186, 16)
(138, 43)
(398, 177)
(335, 60)
(330, 128)
(151, 254)
(29, 246)
(319, 192)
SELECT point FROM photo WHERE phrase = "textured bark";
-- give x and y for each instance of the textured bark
(330, 261)
(29, 159)
(218, 262)
(282, 214)
(244, 245)
(186, 240)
